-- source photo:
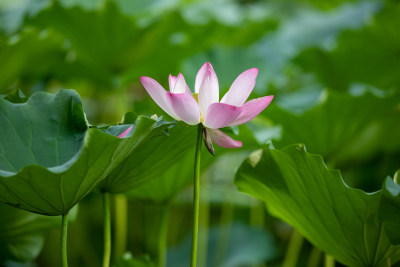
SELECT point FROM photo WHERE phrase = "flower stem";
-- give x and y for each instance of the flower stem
(196, 193)
(64, 230)
(107, 230)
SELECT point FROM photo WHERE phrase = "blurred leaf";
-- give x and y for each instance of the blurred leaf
(247, 246)
(106, 44)
(340, 126)
(298, 188)
(50, 159)
(28, 57)
(129, 118)
(127, 260)
(21, 233)
(12, 13)
(390, 210)
(217, 180)
(370, 55)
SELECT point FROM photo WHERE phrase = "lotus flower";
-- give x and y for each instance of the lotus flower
(204, 106)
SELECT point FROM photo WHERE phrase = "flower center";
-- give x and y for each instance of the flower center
(196, 97)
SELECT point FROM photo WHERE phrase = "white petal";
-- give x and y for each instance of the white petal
(177, 85)
(200, 76)
(172, 81)
(251, 109)
(209, 91)
(158, 93)
(241, 88)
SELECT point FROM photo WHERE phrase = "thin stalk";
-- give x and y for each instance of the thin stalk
(121, 225)
(163, 236)
(329, 261)
(257, 214)
(196, 193)
(294, 249)
(64, 230)
(107, 230)
(315, 257)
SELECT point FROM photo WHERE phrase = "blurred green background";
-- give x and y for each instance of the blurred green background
(333, 66)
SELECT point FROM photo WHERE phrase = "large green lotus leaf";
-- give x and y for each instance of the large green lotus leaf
(166, 185)
(340, 126)
(390, 210)
(368, 55)
(49, 159)
(298, 188)
(152, 158)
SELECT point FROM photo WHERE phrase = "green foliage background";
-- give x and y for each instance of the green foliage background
(333, 66)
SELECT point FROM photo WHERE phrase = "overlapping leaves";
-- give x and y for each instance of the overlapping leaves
(390, 209)
(50, 159)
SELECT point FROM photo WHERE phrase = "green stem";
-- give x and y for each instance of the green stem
(329, 261)
(257, 213)
(315, 258)
(107, 230)
(196, 193)
(64, 230)
(163, 235)
(294, 249)
(121, 222)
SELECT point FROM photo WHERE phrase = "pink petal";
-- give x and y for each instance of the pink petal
(185, 106)
(241, 88)
(251, 109)
(158, 93)
(220, 115)
(223, 140)
(208, 92)
(200, 76)
(124, 133)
